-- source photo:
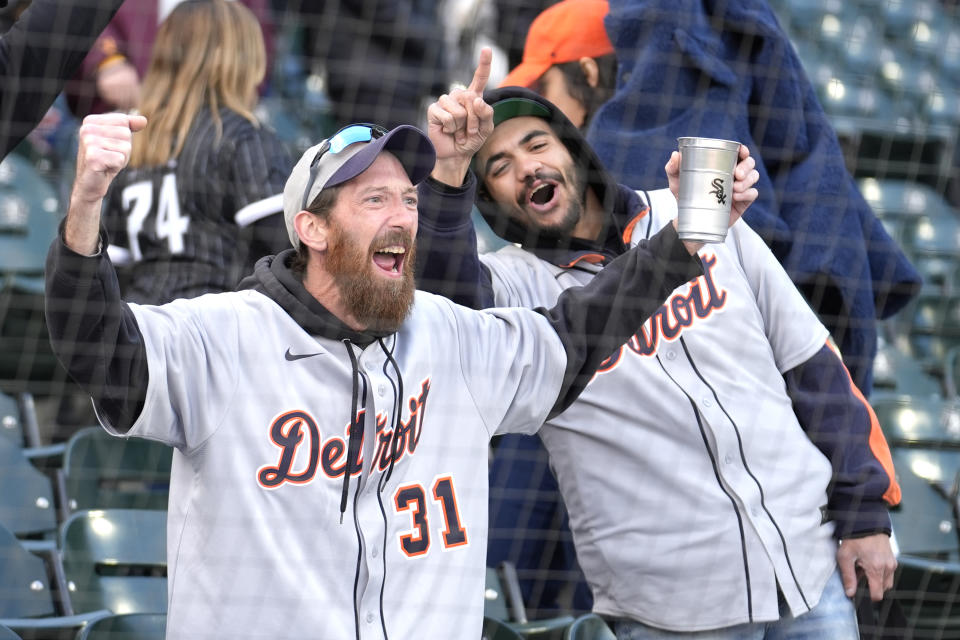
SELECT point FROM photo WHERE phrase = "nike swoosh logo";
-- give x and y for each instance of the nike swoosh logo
(290, 357)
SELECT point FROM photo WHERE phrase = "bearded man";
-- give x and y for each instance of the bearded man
(311, 483)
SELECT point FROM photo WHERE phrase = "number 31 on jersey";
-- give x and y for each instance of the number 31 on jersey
(413, 498)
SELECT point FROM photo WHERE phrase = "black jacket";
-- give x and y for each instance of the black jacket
(38, 54)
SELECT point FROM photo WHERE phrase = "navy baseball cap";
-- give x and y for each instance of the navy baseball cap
(348, 153)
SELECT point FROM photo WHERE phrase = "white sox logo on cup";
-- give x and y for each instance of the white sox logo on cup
(718, 191)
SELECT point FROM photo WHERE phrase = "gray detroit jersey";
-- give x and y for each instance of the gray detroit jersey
(259, 411)
(679, 462)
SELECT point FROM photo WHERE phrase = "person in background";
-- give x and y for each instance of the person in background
(201, 199)
(568, 59)
(111, 76)
(380, 60)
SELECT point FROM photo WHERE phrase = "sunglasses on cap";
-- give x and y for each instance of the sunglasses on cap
(338, 142)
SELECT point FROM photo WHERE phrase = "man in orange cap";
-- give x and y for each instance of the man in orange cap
(569, 59)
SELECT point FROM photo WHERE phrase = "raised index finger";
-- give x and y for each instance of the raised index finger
(482, 74)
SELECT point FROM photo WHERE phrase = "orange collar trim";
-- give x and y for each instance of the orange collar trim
(628, 231)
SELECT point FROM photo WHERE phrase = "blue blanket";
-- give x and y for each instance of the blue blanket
(726, 69)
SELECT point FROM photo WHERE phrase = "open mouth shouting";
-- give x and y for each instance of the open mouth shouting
(541, 194)
(389, 258)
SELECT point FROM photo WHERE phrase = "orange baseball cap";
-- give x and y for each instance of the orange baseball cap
(564, 32)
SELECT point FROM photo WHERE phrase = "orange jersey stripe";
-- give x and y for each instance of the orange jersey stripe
(628, 231)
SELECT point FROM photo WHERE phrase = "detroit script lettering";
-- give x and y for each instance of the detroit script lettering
(297, 435)
(680, 311)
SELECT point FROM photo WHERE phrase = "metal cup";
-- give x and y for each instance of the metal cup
(706, 188)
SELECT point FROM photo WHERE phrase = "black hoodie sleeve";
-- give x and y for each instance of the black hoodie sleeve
(448, 262)
(594, 320)
(94, 334)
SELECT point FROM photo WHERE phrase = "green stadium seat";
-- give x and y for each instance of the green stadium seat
(589, 627)
(504, 603)
(28, 223)
(116, 559)
(494, 598)
(25, 589)
(919, 421)
(904, 201)
(942, 107)
(495, 629)
(27, 503)
(936, 234)
(897, 373)
(925, 523)
(127, 626)
(950, 58)
(805, 17)
(101, 471)
(11, 426)
(928, 591)
(32, 588)
(908, 78)
(900, 17)
(940, 272)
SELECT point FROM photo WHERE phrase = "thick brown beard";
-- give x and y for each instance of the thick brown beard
(376, 303)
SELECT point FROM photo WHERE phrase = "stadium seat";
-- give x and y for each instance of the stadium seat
(805, 17)
(950, 58)
(27, 504)
(940, 273)
(942, 107)
(904, 201)
(543, 628)
(6, 633)
(929, 594)
(495, 629)
(897, 373)
(932, 350)
(589, 627)
(25, 589)
(28, 223)
(937, 235)
(101, 471)
(925, 522)
(900, 17)
(857, 42)
(116, 559)
(494, 598)
(919, 421)
(11, 427)
(127, 626)
(924, 439)
(32, 588)
(505, 603)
